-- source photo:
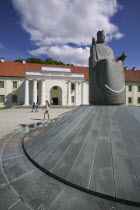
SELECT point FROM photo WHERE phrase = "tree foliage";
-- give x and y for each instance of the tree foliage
(47, 61)
(34, 60)
(18, 60)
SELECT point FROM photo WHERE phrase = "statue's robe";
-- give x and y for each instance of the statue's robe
(106, 76)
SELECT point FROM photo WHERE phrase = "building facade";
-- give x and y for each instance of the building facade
(25, 83)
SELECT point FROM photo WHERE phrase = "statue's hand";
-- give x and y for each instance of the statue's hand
(124, 55)
(93, 41)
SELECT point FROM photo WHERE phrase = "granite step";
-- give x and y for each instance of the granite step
(96, 151)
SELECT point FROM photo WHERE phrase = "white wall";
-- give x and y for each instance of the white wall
(8, 90)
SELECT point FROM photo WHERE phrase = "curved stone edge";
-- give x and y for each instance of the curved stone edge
(88, 191)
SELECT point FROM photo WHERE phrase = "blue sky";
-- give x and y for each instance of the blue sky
(63, 29)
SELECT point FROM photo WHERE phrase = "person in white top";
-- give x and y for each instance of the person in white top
(47, 109)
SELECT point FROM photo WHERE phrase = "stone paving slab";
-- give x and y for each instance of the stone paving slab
(24, 186)
(59, 126)
(14, 118)
(112, 171)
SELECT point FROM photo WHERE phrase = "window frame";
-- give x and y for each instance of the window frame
(72, 99)
(130, 88)
(15, 82)
(55, 87)
(72, 86)
(3, 99)
(138, 100)
(13, 98)
(130, 98)
(2, 85)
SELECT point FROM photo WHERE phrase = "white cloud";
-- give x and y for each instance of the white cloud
(77, 55)
(53, 24)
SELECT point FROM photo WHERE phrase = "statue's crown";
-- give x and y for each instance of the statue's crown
(100, 32)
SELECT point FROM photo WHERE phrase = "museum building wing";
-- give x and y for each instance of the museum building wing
(25, 83)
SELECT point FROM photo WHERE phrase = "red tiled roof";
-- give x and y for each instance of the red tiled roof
(16, 69)
(79, 69)
(132, 75)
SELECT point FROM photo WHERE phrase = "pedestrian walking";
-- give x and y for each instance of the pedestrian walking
(33, 107)
(36, 107)
(47, 109)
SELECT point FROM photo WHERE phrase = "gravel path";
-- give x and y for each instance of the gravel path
(11, 119)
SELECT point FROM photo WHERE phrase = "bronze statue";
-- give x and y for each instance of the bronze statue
(106, 74)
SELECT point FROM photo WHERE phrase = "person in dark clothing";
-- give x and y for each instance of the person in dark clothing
(33, 107)
(36, 107)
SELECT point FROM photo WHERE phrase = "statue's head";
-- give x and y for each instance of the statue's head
(100, 37)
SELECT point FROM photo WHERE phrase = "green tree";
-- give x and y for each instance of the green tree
(18, 60)
(34, 60)
(47, 61)
(50, 61)
(69, 64)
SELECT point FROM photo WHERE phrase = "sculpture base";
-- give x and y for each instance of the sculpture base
(107, 98)
(94, 149)
(106, 85)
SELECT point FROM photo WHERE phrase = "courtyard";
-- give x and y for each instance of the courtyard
(11, 119)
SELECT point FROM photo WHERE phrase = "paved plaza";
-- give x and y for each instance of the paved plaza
(11, 119)
(87, 159)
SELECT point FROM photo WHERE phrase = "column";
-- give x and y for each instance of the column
(82, 93)
(42, 92)
(76, 94)
(68, 93)
(126, 89)
(79, 93)
(35, 91)
(26, 100)
(134, 95)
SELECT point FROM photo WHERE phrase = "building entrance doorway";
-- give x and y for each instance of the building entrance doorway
(56, 95)
(55, 101)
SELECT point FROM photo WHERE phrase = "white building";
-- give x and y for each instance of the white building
(25, 83)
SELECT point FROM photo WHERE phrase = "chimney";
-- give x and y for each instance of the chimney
(126, 68)
(134, 68)
(23, 61)
(2, 60)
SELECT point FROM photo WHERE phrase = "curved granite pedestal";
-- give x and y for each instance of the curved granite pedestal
(95, 149)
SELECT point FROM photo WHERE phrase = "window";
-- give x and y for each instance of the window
(14, 98)
(55, 87)
(72, 99)
(138, 100)
(1, 98)
(73, 86)
(37, 85)
(1, 84)
(14, 84)
(138, 88)
(129, 100)
(129, 88)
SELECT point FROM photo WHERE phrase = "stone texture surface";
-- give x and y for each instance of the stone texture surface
(106, 74)
(112, 160)
(95, 149)
(15, 118)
